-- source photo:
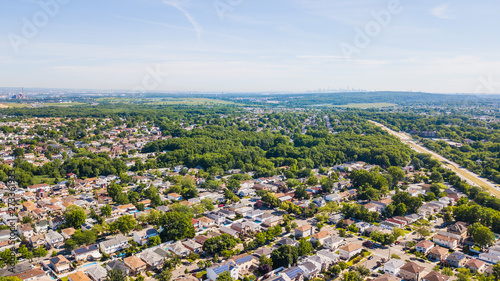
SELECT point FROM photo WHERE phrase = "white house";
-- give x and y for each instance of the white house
(348, 251)
(320, 236)
(333, 242)
(141, 237)
(424, 246)
(86, 253)
(489, 257)
(311, 269)
(445, 241)
(97, 273)
(174, 197)
(179, 249)
(214, 271)
(54, 239)
(393, 265)
(115, 244)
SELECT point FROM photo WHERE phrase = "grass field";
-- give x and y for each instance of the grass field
(42, 179)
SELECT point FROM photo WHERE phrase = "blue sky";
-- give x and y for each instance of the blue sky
(251, 45)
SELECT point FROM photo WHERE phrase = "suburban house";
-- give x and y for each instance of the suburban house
(78, 276)
(387, 277)
(320, 236)
(475, 265)
(438, 253)
(411, 271)
(294, 273)
(117, 264)
(243, 261)
(54, 239)
(456, 259)
(272, 221)
(174, 197)
(327, 257)
(152, 259)
(206, 222)
(214, 271)
(60, 264)
(136, 265)
(287, 241)
(179, 249)
(490, 257)
(459, 228)
(25, 230)
(97, 273)
(114, 244)
(141, 237)
(304, 231)
(424, 246)
(192, 245)
(435, 276)
(33, 274)
(348, 251)
(67, 232)
(37, 240)
(263, 252)
(393, 266)
(445, 241)
(41, 226)
(333, 242)
(310, 269)
(86, 253)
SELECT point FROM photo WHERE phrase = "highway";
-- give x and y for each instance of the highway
(470, 177)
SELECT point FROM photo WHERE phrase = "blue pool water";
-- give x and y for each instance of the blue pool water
(89, 264)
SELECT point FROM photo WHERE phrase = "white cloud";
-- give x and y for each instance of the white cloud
(442, 11)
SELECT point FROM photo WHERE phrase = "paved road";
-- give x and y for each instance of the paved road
(465, 174)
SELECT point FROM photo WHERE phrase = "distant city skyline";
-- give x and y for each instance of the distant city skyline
(251, 46)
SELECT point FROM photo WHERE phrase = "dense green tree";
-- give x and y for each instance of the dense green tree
(176, 226)
(118, 275)
(305, 247)
(75, 216)
(218, 244)
(284, 256)
(224, 276)
(124, 224)
(481, 235)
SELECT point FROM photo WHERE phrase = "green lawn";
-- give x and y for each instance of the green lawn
(40, 179)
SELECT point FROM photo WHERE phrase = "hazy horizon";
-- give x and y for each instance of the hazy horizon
(251, 46)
